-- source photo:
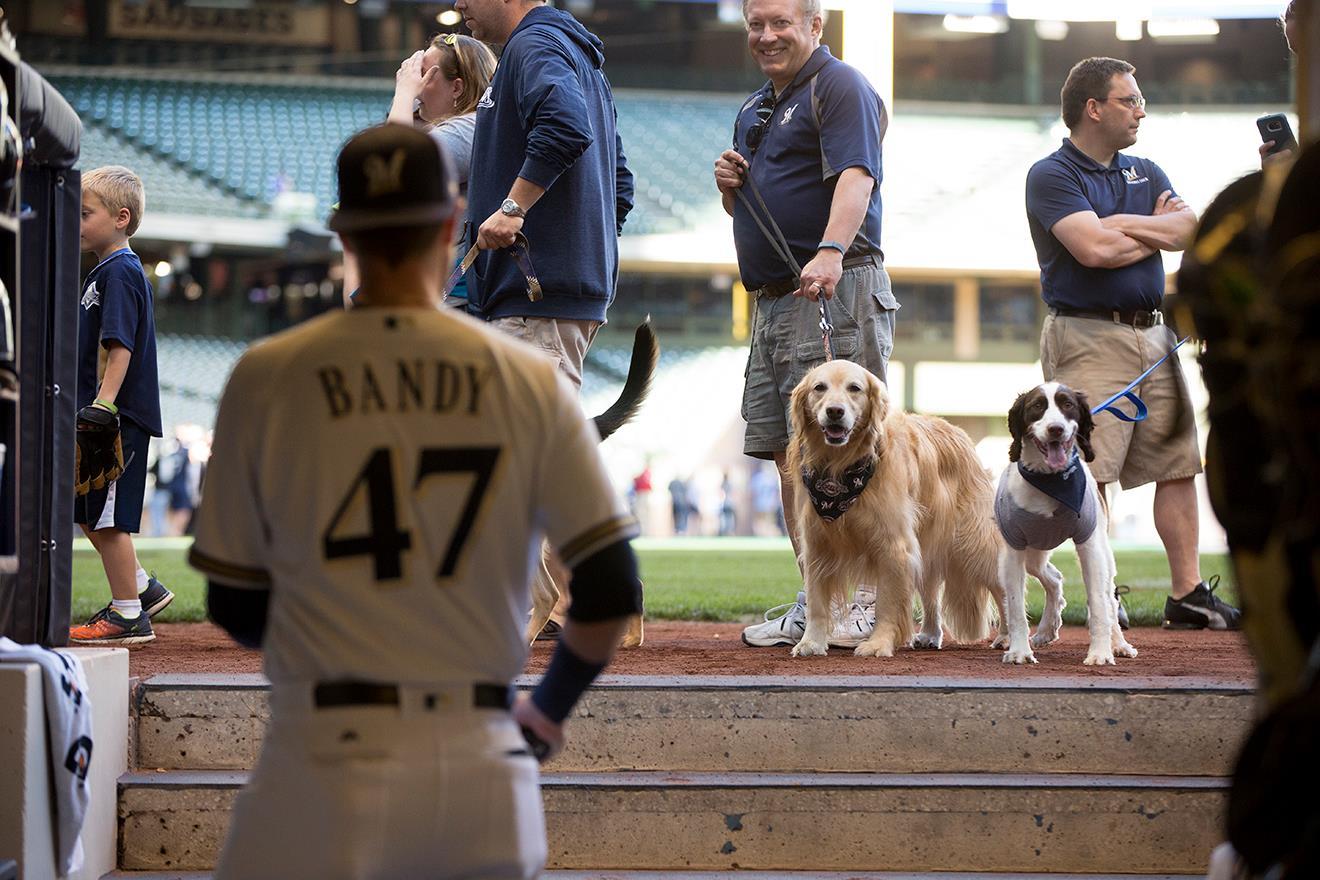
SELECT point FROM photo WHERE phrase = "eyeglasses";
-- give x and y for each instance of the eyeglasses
(1132, 102)
(764, 111)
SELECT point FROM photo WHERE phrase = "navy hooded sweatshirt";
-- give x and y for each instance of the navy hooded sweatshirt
(549, 117)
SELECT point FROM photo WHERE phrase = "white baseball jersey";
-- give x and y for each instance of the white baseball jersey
(388, 474)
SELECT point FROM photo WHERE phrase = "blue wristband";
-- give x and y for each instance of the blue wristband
(565, 680)
(832, 245)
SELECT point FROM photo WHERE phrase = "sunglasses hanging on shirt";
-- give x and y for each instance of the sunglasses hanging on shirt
(764, 111)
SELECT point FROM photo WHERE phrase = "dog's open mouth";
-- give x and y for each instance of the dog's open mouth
(1056, 452)
(836, 435)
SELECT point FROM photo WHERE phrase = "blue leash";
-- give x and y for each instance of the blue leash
(1137, 402)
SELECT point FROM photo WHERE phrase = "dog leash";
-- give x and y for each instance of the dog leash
(775, 236)
(1138, 404)
(521, 251)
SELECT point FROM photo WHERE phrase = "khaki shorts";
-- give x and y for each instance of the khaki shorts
(1100, 358)
(563, 340)
(786, 343)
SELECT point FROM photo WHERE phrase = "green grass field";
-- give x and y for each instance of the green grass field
(730, 579)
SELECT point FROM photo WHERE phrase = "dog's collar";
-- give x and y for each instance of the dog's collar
(1068, 486)
(832, 497)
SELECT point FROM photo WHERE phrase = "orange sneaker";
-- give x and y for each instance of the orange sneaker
(113, 629)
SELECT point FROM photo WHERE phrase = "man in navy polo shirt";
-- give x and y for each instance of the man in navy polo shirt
(1099, 220)
(810, 141)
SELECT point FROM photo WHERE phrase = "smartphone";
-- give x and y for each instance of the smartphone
(1275, 127)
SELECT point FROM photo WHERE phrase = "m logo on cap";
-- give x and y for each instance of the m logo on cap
(383, 176)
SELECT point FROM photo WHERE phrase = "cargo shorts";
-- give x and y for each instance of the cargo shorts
(1100, 357)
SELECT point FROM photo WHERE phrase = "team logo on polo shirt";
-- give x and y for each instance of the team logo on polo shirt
(1132, 175)
(91, 297)
(788, 115)
(488, 99)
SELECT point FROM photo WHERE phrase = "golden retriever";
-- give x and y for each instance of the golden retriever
(922, 525)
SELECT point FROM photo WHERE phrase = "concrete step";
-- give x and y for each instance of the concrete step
(882, 724)
(176, 820)
(742, 875)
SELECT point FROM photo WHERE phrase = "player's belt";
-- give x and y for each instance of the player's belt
(331, 694)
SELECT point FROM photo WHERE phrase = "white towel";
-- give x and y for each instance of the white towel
(69, 720)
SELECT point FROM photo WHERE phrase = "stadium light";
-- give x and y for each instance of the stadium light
(449, 17)
(1054, 31)
(1079, 10)
(163, 269)
(1128, 29)
(975, 24)
(1182, 27)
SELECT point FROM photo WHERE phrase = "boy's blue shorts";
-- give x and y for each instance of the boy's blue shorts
(119, 505)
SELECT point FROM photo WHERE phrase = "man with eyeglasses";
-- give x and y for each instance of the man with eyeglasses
(807, 160)
(1100, 219)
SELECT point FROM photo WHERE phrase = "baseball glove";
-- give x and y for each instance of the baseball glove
(99, 456)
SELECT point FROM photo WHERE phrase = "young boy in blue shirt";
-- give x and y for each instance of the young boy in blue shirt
(117, 372)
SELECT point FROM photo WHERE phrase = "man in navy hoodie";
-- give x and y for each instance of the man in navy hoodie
(547, 161)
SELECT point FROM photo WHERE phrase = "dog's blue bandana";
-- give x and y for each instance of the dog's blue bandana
(831, 497)
(1068, 486)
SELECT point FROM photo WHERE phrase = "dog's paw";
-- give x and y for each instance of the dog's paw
(1019, 656)
(1099, 658)
(874, 649)
(1041, 639)
(1125, 649)
(928, 641)
(808, 648)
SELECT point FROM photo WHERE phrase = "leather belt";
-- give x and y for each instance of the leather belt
(1130, 317)
(330, 694)
(784, 288)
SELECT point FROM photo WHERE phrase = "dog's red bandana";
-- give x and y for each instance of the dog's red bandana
(833, 497)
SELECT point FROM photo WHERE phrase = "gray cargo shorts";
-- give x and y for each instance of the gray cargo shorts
(787, 343)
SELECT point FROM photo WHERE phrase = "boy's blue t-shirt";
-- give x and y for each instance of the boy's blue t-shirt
(116, 306)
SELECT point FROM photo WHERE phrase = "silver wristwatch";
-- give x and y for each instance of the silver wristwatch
(510, 208)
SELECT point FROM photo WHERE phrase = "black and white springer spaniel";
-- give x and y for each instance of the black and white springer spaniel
(1047, 495)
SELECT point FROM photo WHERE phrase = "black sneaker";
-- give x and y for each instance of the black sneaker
(550, 632)
(154, 599)
(1200, 609)
(1119, 592)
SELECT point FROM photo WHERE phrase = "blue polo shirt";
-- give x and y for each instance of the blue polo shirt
(1068, 181)
(818, 131)
(116, 306)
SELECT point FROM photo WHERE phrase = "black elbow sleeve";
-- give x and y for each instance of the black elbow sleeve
(241, 613)
(606, 585)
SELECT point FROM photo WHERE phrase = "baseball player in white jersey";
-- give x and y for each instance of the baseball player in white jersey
(379, 486)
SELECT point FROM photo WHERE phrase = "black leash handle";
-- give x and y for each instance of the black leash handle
(779, 242)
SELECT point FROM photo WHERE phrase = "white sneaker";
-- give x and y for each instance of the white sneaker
(855, 627)
(786, 629)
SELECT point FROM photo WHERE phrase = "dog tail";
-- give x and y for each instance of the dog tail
(645, 353)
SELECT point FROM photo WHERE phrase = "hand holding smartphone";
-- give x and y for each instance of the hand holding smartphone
(1274, 127)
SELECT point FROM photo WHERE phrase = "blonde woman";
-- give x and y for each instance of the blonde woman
(437, 89)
